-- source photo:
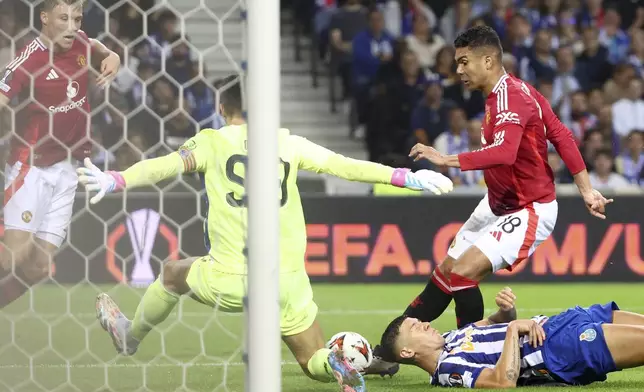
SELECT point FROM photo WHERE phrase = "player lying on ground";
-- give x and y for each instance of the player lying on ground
(520, 210)
(218, 279)
(40, 182)
(576, 347)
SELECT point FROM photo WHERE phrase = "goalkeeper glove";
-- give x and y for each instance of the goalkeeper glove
(95, 180)
(422, 180)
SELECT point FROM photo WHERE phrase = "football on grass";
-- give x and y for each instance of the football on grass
(355, 348)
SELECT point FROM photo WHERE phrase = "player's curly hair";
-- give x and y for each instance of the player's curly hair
(480, 37)
(389, 339)
(48, 5)
(230, 94)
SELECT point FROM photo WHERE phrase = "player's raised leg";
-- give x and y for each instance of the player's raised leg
(626, 345)
(155, 306)
(303, 335)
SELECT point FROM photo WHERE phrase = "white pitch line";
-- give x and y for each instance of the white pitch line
(329, 312)
(129, 365)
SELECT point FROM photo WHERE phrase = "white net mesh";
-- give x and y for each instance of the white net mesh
(171, 52)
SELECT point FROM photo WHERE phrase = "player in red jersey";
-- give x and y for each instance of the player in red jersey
(520, 209)
(49, 78)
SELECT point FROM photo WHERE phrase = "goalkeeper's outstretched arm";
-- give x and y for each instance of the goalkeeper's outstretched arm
(318, 159)
(192, 156)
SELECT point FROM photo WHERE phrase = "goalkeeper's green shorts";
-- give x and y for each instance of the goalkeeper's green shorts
(225, 292)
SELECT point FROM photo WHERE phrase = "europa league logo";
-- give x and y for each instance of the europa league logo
(142, 226)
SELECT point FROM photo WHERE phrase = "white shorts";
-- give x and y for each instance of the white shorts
(40, 199)
(507, 239)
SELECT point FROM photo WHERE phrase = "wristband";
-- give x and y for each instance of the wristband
(119, 181)
(398, 178)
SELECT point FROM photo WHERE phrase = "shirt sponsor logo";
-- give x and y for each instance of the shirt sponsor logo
(507, 117)
(69, 107)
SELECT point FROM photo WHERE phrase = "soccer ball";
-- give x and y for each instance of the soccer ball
(355, 348)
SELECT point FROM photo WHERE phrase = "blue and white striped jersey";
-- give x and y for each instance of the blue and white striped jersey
(471, 349)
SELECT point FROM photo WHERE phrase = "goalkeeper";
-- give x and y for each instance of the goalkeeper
(219, 279)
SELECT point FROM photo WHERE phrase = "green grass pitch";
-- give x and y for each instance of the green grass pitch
(50, 341)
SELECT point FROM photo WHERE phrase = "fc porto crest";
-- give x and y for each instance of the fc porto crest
(588, 335)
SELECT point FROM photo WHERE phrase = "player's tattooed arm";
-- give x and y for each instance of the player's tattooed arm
(506, 372)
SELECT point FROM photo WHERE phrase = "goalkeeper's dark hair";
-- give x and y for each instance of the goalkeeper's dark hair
(480, 37)
(389, 339)
(230, 94)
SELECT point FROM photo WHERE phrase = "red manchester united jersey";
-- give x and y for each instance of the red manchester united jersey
(52, 108)
(517, 126)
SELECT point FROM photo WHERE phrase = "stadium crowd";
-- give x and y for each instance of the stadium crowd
(141, 95)
(396, 62)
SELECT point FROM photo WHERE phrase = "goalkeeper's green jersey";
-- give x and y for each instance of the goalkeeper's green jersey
(222, 155)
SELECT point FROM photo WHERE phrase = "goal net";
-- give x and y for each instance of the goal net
(171, 52)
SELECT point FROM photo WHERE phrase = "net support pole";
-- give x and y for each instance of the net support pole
(262, 187)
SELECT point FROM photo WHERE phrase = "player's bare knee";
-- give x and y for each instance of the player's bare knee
(446, 266)
(34, 271)
(473, 264)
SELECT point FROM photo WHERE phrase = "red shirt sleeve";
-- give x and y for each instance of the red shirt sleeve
(560, 136)
(510, 115)
(503, 151)
(14, 78)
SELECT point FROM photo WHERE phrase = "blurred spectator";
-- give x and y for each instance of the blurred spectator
(605, 128)
(628, 112)
(565, 83)
(180, 64)
(424, 42)
(593, 60)
(561, 173)
(613, 37)
(345, 24)
(581, 119)
(616, 87)
(603, 176)
(549, 12)
(539, 64)
(498, 17)
(631, 162)
(593, 142)
(470, 177)
(509, 63)
(595, 101)
(389, 130)
(130, 19)
(636, 57)
(544, 86)
(456, 19)
(201, 101)
(430, 118)
(411, 9)
(567, 34)
(93, 19)
(519, 37)
(455, 140)
(372, 48)
(592, 13)
(445, 67)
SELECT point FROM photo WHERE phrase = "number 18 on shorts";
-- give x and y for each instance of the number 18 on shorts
(506, 240)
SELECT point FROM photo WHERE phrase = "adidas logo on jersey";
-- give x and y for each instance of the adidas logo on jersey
(51, 75)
